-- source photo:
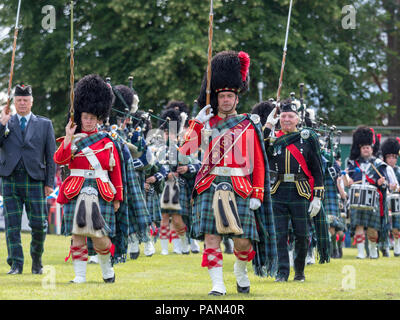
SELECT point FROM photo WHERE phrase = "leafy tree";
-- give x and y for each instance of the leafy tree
(351, 75)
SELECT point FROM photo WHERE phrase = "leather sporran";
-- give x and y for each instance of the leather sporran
(225, 210)
(88, 220)
(170, 196)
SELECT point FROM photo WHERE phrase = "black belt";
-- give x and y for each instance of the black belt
(289, 177)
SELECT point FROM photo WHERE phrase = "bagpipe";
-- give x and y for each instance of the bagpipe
(171, 160)
(131, 125)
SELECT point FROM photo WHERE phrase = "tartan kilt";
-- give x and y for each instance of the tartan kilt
(366, 218)
(396, 222)
(203, 221)
(106, 209)
(337, 223)
(331, 201)
(153, 206)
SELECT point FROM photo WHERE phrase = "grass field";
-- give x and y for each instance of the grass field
(180, 277)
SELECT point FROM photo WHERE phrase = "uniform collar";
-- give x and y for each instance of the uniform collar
(27, 117)
(226, 115)
(91, 132)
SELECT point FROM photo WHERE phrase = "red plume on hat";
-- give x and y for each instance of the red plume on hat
(244, 64)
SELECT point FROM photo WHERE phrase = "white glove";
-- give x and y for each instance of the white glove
(255, 203)
(271, 118)
(203, 116)
(315, 206)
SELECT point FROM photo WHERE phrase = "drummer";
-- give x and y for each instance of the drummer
(366, 169)
(390, 152)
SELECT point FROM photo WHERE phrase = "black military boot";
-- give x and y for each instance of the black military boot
(228, 246)
(340, 247)
(37, 267)
(300, 258)
(334, 248)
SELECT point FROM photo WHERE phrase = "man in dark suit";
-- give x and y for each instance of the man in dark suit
(27, 145)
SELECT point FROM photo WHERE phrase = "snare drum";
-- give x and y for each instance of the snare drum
(363, 197)
(393, 202)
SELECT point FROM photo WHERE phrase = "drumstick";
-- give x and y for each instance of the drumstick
(377, 171)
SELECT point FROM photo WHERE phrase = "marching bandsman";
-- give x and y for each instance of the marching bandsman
(331, 172)
(175, 198)
(231, 189)
(188, 185)
(297, 188)
(390, 152)
(365, 169)
(101, 197)
(130, 133)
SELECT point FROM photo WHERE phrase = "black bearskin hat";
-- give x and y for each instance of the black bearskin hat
(22, 91)
(172, 115)
(263, 109)
(179, 105)
(122, 103)
(92, 95)
(229, 72)
(146, 123)
(390, 146)
(122, 91)
(377, 144)
(363, 136)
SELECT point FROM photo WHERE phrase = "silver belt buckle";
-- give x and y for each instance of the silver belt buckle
(89, 174)
(225, 171)
(89, 190)
(288, 177)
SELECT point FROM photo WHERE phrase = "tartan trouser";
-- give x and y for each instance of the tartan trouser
(287, 206)
(19, 189)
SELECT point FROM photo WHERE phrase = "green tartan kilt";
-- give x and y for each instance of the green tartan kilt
(338, 224)
(106, 209)
(366, 218)
(396, 221)
(153, 206)
(203, 221)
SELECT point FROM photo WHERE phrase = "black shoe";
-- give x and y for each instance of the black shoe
(187, 252)
(280, 278)
(385, 253)
(15, 269)
(396, 254)
(299, 277)
(110, 280)
(37, 267)
(242, 289)
(216, 293)
(228, 247)
(340, 253)
(134, 255)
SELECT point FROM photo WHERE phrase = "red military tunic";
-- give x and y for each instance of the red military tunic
(73, 184)
(246, 156)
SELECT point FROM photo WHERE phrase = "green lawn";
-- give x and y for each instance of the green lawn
(181, 277)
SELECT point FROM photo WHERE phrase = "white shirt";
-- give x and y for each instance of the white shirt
(27, 117)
